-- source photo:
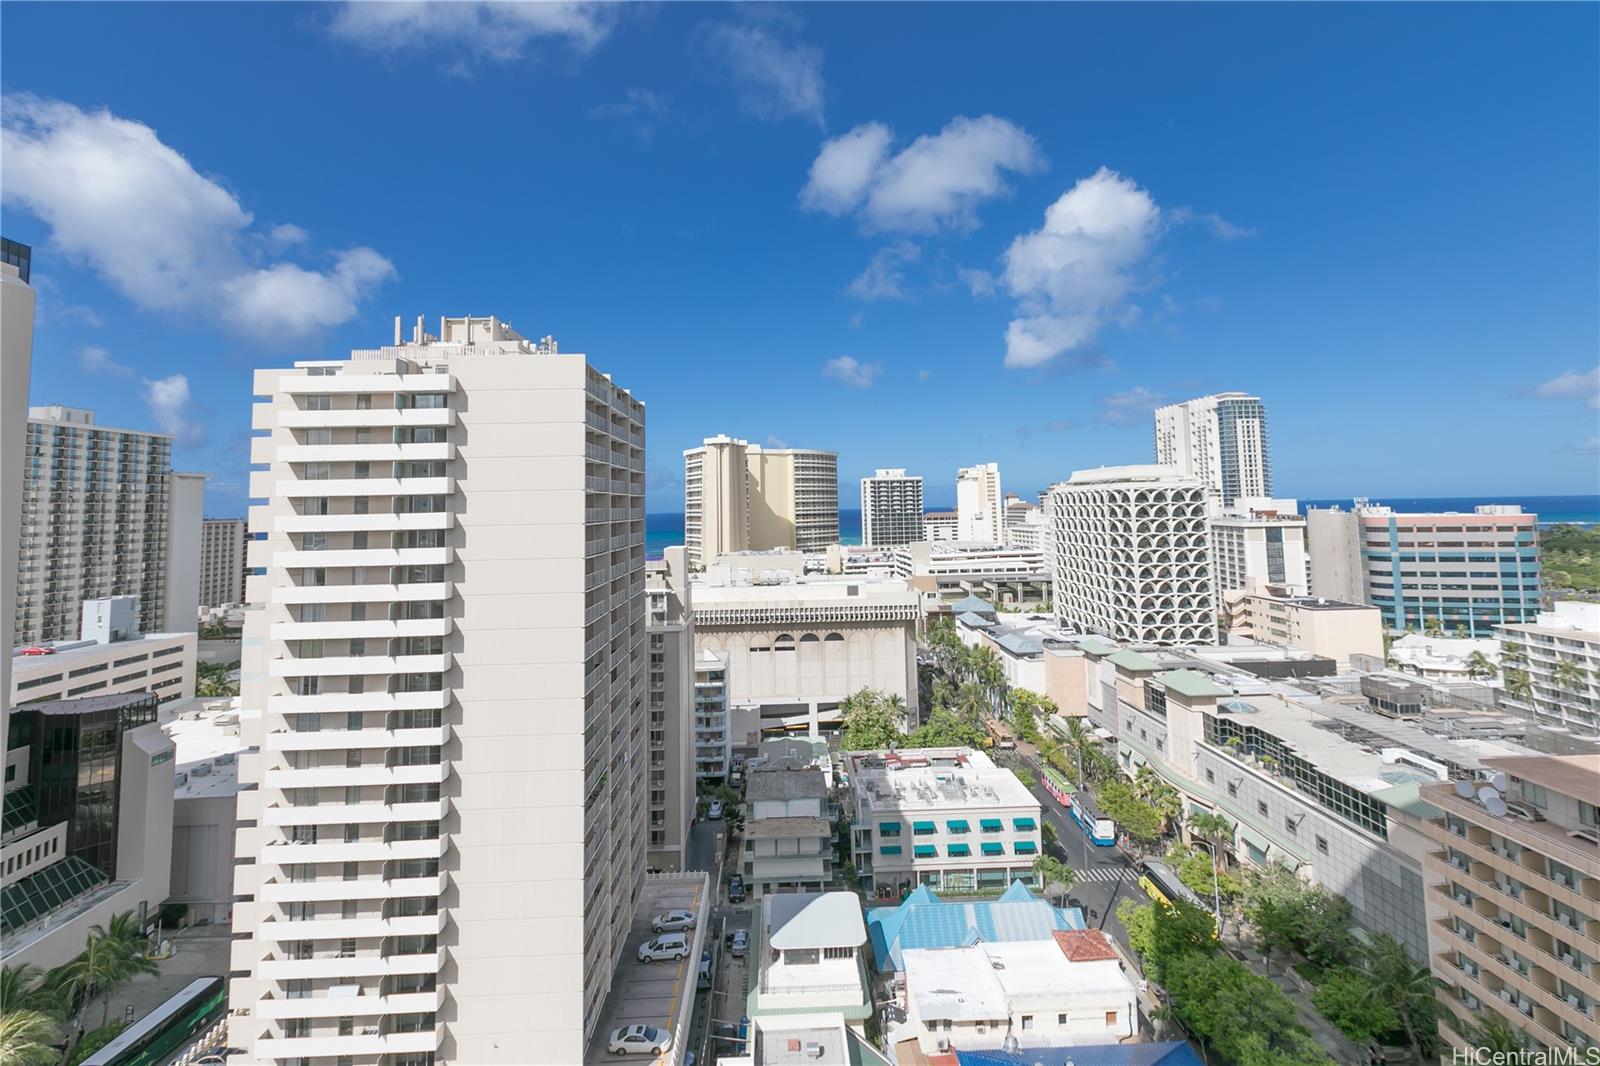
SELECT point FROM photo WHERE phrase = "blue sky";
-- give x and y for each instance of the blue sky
(827, 225)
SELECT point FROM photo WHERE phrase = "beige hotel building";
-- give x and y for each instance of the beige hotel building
(739, 496)
(441, 854)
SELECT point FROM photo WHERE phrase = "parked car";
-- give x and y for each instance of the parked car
(634, 1039)
(667, 921)
(714, 811)
(671, 946)
(736, 889)
(741, 944)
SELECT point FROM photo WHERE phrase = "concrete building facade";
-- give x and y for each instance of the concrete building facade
(103, 514)
(1257, 542)
(712, 739)
(1466, 573)
(891, 509)
(739, 496)
(16, 368)
(1220, 439)
(107, 661)
(1556, 659)
(447, 833)
(222, 543)
(980, 504)
(788, 836)
(1333, 629)
(1133, 555)
(669, 625)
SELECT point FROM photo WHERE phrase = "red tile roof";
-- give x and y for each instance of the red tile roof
(1084, 945)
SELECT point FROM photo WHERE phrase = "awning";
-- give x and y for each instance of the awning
(1024, 823)
(889, 829)
(1102, 733)
(889, 849)
(925, 851)
(1024, 847)
(1255, 839)
(958, 851)
(993, 847)
(924, 827)
(991, 825)
(958, 825)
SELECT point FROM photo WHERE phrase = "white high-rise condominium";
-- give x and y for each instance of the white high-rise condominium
(104, 514)
(1132, 557)
(980, 505)
(891, 509)
(1222, 440)
(1259, 542)
(669, 624)
(739, 496)
(221, 561)
(445, 841)
(16, 363)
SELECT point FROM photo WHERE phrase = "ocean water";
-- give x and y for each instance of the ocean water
(664, 529)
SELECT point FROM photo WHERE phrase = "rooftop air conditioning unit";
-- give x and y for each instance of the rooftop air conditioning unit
(200, 770)
(181, 777)
(813, 1050)
(226, 759)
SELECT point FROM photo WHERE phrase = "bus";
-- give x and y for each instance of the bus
(1160, 882)
(169, 1028)
(1056, 784)
(1000, 735)
(1100, 830)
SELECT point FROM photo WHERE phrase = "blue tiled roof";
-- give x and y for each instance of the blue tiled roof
(976, 604)
(923, 920)
(975, 621)
(1167, 1053)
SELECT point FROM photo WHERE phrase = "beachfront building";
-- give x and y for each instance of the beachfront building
(948, 818)
(739, 496)
(891, 509)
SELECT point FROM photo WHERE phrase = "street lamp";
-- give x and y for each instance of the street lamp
(1216, 884)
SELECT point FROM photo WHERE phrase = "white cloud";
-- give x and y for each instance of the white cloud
(287, 235)
(883, 279)
(775, 442)
(1073, 275)
(851, 372)
(166, 236)
(936, 182)
(1589, 447)
(96, 360)
(1131, 407)
(857, 318)
(1573, 384)
(498, 32)
(980, 282)
(1061, 425)
(169, 402)
(1220, 227)
(775, 77)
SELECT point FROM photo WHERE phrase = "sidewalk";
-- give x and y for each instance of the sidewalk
(1338, 1046)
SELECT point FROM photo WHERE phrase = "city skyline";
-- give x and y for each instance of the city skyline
(1242, 237)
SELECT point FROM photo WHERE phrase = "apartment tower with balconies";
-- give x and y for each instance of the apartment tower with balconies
(443, 836)
(891, 509)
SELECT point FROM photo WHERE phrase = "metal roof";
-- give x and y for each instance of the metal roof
(1191, 683)
(923, 920)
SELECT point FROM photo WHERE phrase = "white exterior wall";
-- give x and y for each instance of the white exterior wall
(669, 625)
(1559, 699)
(185, 511)
(1222, 440)
(163, 663)
(16, 362)
(980, 504)
(1254, 548)
(500, 802)
(95, 522)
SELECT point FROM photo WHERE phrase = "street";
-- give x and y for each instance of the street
(725, 1000)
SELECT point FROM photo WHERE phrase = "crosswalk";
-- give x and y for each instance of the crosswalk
(1104, 874)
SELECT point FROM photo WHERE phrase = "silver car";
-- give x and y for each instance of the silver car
(669, 947)
(635, 1039)
(667, 921)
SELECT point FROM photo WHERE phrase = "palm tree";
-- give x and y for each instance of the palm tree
(1056, 876)
(972, 702)
(25, 988)
(1431, 627)
(1569, 675)
(1398, 980)
(1518, 685)
(27, 1038)
(1493, 1033)
(1213, 829)
(1480, 666)
(109, 958)
(1513, 655)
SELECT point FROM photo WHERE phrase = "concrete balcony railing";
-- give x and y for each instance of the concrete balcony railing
(379, 628)
(338, 665)
(360, 701)
(344, 557)
(333, 488)
(349, 1006)
(277, 931)
(356, 813)
(378, 522)
(370, 888)
(361, 1045)
(346, 739)
(371, 418)
(340, 776)
(335, 965)
(288, 853)
(377, 385)
(420, 591)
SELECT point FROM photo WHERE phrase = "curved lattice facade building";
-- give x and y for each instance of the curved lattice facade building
(1132, 557)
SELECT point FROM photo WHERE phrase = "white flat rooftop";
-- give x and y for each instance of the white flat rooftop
(986, 980)
(200, 734)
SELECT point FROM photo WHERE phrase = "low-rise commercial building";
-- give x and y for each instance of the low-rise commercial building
(1552, 667)
(951, 571)
(88, 823)
(948, 818)
(1335, 629)
(1513, 900)
(808, 952)
(1035, 993)
(923, 920)
(788, 835)
(112, 657)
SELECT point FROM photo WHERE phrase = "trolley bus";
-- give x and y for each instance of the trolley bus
(1057, 785)
(1160, 882)
(166, 1030)
(1100, 830)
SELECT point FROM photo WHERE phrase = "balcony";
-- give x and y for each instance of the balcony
(349, 1006)
(333, 965)
(278, 931)
(381, 522)
(348, 1046)
(370, 888)
(263, 451)
(368, 557)
(422, 590)
(336, 665)
(296, 488)
(288, 853)
(361, 701)
(375, 384)
(344, 739)
(381, 628)
(339, 776)
(355, 813)
(372, 417)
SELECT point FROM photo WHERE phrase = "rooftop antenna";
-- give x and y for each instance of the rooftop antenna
(1496, 806)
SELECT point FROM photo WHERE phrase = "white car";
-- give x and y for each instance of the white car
(632, 1039)
(672, 946)
(714, 811)
(667, 921)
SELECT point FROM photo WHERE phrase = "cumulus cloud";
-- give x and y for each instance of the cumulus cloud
(169, 402)
(96, 360)
(884, 278)
(1131, 407)
(1589, 447)
(287, 235)
(1220, 227)
(164, 235)
(936, 182)
(1573, 384)
(851, 372)
(924, 375)
(980, 283)
(1073, 275)
(494, 32)
(775, 76)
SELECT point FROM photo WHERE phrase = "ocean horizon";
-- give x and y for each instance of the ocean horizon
(663, 529)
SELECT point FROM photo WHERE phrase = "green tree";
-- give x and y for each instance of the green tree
(1479, 666)
(1243, 1016)
(1160, 796)
(27, 1038)
(1025, 775)
(1345, 998)
(1398, 979)
(1293, 917)
(1518, 685)
(869, 723)
(1025, 715)
(1493, 1033)
(1570, 675)
(110, 957)
(945, 729)
(972, 702)
(1056, 877)
(1162, 934)
(24, 988)
(94, 1040)
(1138, 819)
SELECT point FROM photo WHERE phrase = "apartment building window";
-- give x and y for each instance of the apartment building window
(1535, 794)
(1322, 844)
(317, 401)
(1261, 808)
(1211, 777)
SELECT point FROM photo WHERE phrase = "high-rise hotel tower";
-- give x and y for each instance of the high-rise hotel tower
(446, 839)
